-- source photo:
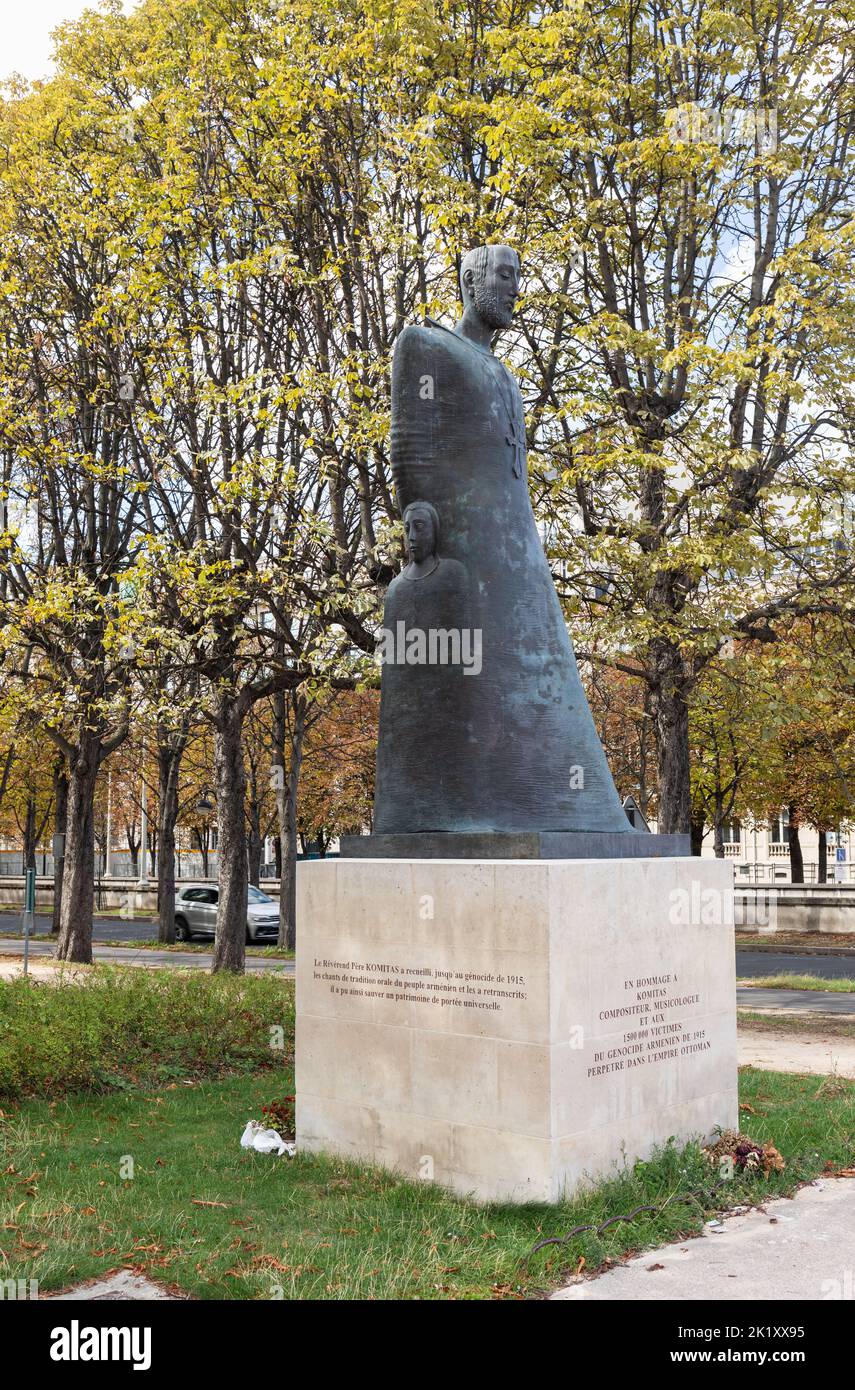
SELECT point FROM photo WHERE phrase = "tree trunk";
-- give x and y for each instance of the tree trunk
(78, 881)
(168, 768)
(697, 837)
(254, 842)
(230, 943)
(202, 842)
(718, 829)
(822, 867)
(134, 848)
(277, 856)
(671, 714)
(797, 866)
(60, 825)
(287, 789)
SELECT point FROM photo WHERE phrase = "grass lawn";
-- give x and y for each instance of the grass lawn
(807, 940)
(220, 1222)
(840, 985)
(805, 1025)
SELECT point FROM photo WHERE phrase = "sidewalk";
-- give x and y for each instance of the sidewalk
(799, 1001)
(800, 1249)
(43, 962)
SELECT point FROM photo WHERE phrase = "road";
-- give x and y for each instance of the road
(103, 928)
(799, 1001)
(754, 964)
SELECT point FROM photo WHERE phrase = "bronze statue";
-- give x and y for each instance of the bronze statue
(508, 762)
(513, 748)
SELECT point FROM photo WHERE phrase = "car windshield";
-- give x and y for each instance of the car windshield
(256, 896)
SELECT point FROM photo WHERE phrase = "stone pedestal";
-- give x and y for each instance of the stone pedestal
(512, 1029)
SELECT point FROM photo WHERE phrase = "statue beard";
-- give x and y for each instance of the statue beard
(487, 304)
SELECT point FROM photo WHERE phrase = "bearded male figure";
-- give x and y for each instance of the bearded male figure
(522, 752)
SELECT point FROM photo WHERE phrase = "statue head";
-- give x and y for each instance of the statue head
(490, 280)
(421, 529)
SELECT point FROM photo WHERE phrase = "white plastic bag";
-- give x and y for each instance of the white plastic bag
(266, 1141)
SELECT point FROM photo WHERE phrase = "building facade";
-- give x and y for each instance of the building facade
(760, 851)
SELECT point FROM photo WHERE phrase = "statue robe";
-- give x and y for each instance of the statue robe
(515, 747)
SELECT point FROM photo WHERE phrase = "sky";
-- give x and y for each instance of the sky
(25, 30)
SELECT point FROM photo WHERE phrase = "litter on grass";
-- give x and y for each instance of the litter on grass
(266, 1141)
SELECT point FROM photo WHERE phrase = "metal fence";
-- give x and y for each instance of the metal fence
(12, 864)
(779, 872)
(189, 865)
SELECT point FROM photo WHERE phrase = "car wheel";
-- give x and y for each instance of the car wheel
(182, 931)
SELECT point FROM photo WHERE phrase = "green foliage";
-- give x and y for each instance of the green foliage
(114, 1027)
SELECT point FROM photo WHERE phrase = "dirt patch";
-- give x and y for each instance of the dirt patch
(809, 1053)
(40, 968)
(121, 1285)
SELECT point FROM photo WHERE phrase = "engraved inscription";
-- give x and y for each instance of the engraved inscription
(407, 984)
(652, 1006)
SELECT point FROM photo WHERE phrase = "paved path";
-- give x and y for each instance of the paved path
(800, 1249)
(826, 965)
(799, 1001)
(127, 955)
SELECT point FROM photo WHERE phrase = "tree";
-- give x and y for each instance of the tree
(683, 270)
(805, 756)
(27, 803)
(70, 510)
(621, 706)
(727, 717)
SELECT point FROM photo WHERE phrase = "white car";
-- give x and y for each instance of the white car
(196, 913)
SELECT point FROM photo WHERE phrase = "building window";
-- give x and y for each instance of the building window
(731, 832)
(779, 828)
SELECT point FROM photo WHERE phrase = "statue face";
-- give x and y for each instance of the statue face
(496, 294)
(420, 534)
